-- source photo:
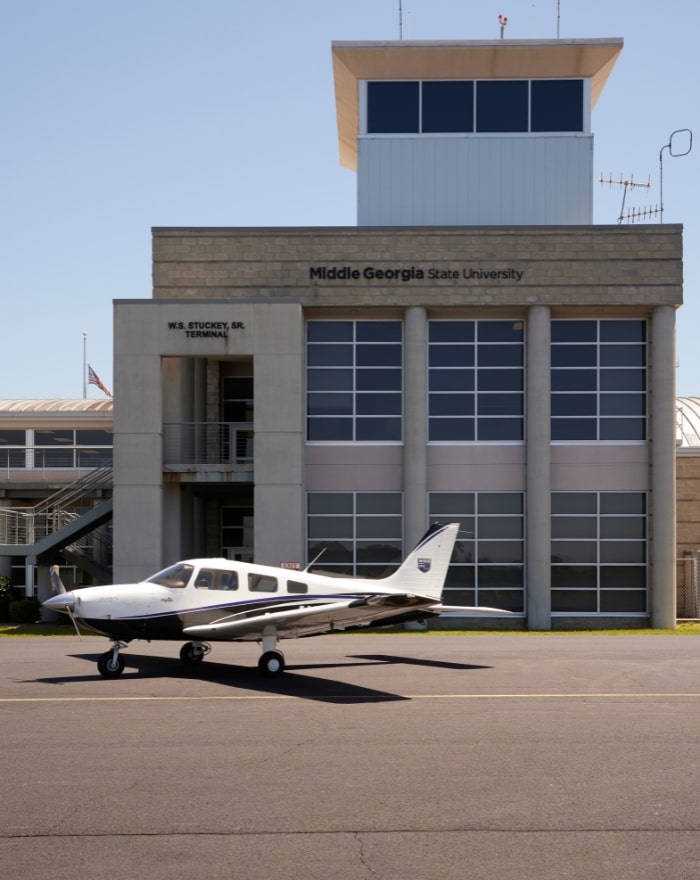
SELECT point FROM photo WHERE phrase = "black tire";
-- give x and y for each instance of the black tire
(271, 664)
(191, 655)
(109, 667)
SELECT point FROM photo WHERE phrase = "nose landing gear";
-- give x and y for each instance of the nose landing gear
(111, 663)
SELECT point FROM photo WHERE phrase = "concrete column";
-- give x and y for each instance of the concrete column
(29, 566)
(538, 465)
(138, 442)
(415, 424)
(663, 468)
(178, 384)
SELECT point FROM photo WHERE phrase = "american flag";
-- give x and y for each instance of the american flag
(94, 379)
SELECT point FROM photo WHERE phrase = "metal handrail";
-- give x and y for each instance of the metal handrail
(27, 525)
(207, 443)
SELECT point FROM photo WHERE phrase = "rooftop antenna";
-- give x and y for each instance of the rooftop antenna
(681, 147)
(680, 143)
(400, 20)
(503, 21)
(558, 17)
(630, 183)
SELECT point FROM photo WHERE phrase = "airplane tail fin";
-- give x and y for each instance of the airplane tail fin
(56, 581)
(424, 570)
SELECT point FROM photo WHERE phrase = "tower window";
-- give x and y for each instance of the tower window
(393, 107)
(466, 106)
(501, 105)
(447, 106)
(556, 105)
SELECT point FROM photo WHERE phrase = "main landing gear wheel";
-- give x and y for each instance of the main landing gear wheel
(192, 653)
(110, 665)
(271, 663)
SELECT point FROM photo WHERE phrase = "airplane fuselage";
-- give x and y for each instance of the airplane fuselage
(153, 611)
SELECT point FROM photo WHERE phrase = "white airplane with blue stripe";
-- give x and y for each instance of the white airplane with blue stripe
(222, 600)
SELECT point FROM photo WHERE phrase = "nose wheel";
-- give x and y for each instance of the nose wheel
(111, 663)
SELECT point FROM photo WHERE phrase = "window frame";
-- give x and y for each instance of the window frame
(348, 510)
(480, 511)
(360, 398)
(599, 372)
(598, 514)
(482, 342)
(474, 130)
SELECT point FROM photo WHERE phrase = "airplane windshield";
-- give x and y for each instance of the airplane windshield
(176, 576)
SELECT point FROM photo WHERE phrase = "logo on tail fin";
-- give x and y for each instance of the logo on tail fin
(424, 564)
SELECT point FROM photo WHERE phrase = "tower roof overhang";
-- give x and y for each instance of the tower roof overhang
(591, 59)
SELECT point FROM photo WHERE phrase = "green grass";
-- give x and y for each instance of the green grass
(22, 630)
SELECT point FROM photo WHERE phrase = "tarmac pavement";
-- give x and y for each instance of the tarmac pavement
(375, 756)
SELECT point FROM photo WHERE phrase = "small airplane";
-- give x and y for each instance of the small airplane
(225, 600)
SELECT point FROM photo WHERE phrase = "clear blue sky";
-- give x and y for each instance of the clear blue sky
(117, 117)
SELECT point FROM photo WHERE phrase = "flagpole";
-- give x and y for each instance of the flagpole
(84, 365)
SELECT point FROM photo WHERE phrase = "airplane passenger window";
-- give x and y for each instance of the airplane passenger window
(297, 587)
(262, 583)
(226, 580)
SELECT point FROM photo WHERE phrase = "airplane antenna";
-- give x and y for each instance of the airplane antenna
(315, 559)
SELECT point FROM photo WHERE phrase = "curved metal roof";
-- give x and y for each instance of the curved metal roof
(55, 405)
(688, 422)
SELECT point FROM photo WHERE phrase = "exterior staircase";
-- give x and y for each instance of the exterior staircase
(65, 523)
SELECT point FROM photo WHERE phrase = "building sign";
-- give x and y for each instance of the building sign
(206, 329)
(406, 274)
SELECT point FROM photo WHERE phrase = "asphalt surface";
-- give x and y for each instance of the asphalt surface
(375, 756)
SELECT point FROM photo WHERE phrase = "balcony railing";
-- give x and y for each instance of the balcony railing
(198, 444)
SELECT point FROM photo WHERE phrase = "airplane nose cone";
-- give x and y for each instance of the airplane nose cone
(62, 602)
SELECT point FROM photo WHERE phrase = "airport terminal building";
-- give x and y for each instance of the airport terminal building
(475, 349)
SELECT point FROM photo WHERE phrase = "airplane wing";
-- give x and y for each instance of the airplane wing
(314, 618)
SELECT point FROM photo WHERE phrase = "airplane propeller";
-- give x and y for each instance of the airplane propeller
(69, 604)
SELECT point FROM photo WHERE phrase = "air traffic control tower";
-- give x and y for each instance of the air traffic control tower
(471, 133)
(474, 349)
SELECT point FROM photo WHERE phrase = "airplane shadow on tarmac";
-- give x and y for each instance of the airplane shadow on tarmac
(417, 661)
(292, 684)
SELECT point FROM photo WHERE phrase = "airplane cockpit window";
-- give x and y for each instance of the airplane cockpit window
(262, 583)
(175, 576)
(204, 580)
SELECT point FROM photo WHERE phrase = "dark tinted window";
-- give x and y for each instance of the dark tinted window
(557, 105)
(9, 437)
(392, 107)
(448, 106)
(501, 105)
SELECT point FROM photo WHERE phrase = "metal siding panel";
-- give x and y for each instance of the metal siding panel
(475, 181)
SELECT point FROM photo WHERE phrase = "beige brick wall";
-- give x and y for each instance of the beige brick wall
(600, 265)
(688, 502)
